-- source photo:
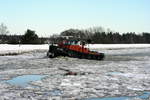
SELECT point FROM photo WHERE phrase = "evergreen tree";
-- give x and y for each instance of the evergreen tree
(30, 37)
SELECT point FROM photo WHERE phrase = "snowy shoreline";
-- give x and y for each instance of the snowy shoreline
(7, 49)
(117, 46)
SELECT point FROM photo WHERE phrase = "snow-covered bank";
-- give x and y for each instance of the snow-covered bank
(6, 49)
(117, 46)
(17, 49)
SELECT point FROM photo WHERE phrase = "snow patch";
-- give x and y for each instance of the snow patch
(11, 49)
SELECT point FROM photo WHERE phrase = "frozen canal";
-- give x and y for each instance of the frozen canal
(124, 74)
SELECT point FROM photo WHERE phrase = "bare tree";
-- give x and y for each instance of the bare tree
(3, 29)
(96, 29)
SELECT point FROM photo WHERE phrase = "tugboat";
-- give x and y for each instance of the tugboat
(73, 48)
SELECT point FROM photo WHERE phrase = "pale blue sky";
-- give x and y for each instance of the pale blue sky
(54, 16)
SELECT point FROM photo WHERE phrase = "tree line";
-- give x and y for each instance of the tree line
(99, 35)
(95, 35)
(29, 37)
